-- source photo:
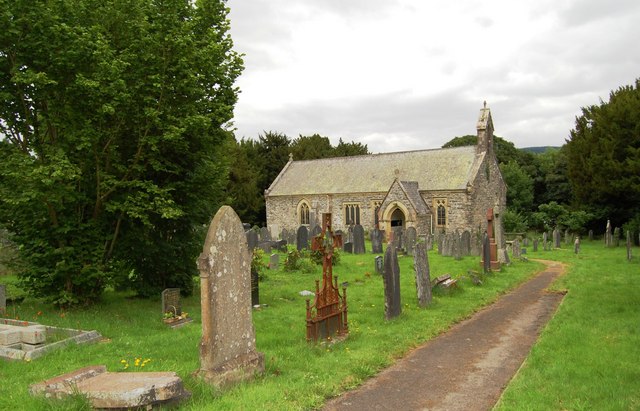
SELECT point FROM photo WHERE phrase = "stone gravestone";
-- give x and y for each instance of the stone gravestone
(397, 239)
(391, 277)
(517, 251)
(274, 261)
(423, 278)
(535, 245)
(465, 243)
(616, 236)
(486, 254)
(265, 235)
(228, 345)
(376, 241)
(457, 247)
(608, 236)
(255, 288)
(171, 301)
(410, 239)
(358, 240)
(545, 241)
(525, 241)
(379, 262)
(576, 245)
(3, 299)
(316, 230)
(252, 240)
(628, 258)
(302, 238)
(567, 236)
(556, 238)
(590, 235)
(348, 247)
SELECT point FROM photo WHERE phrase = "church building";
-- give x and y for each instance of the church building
(438, 190)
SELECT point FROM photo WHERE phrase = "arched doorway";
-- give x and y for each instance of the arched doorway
(397, 218)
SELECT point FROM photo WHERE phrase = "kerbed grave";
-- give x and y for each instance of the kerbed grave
(24, 340)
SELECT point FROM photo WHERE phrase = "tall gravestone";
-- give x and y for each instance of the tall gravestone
(465, 243)
(567, 236)
(607, 235)
(228, 345)
(302, 238)
(391, 277)
(423, 277)
(516, 252)
(457, 247)
(265, 235)
(616, 236)
(535, 245)
(576, 245)
(316, 230)
(628, 250)
(486, 254)
(410, 239)
(274, 261)
(379, 264)
(376, 241)
(358, 240)
(545, 241)
(590, 235)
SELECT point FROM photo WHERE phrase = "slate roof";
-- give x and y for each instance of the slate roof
(413, 192)
(436, 169)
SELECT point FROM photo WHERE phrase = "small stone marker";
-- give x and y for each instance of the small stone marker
(171, 301)
(392, 304)
(348, 247)
(423, 279)
(608, 237)
(628, 250)
(590, 235)
(516, 252)
(111, 390)
(616, 236)
(576, 245)
(228, 345)
(556, 238)
(545, 241)
(274, 261)
(465, 243)
(535, 245)
(252, 240)
(265, 235)
(358, 240)
(379, 262)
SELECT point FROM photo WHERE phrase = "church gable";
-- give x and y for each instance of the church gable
(403, 205)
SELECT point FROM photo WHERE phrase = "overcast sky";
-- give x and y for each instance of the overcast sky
(412, 74)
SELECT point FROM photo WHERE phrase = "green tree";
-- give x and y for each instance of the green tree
(114, 120)
(311, 147)
(603, 156)
(350, 149)
(519, 187)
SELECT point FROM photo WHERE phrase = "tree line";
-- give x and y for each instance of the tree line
(116, 147)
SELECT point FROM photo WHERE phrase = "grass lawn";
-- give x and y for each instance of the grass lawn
(302, 376)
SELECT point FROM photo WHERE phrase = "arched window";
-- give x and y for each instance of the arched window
(441, 212)
(352, 214)
(304, 214)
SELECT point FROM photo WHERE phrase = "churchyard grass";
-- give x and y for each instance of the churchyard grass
(300, 375)
(587, 356)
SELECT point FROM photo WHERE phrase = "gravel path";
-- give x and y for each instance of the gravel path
(467, 367)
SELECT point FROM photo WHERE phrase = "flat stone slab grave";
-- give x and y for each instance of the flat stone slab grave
(115, 389)
(24, 340)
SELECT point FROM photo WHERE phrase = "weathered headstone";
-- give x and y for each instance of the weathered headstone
(628, 256)
(516, 252)
(411, 236)
(265, 235)
(252, 240)
(316, 230)
(616, 236)
(465, 243)
(490, 247)
(348, 247)
(535, 245)
(576, 245)
(556, 238)
(567, 236)
(457, 246)
(391, 277)
(274, 261)
(608, 237)
(379, 261)
(486, 254)
(525, 241)
(545, 241)
(228, 345)
(171, 301)
(590, 235)
(423, 277)
(398, 237)
(255, 288)
(3, 299)
(302, 238)
(358, 240)
(376, 241)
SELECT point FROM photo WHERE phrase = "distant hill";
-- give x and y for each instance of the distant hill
(538, 150)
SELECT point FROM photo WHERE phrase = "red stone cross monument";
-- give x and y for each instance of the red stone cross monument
(327, 316)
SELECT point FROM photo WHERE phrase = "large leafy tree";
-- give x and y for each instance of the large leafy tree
(603, 156)
(113, 116)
